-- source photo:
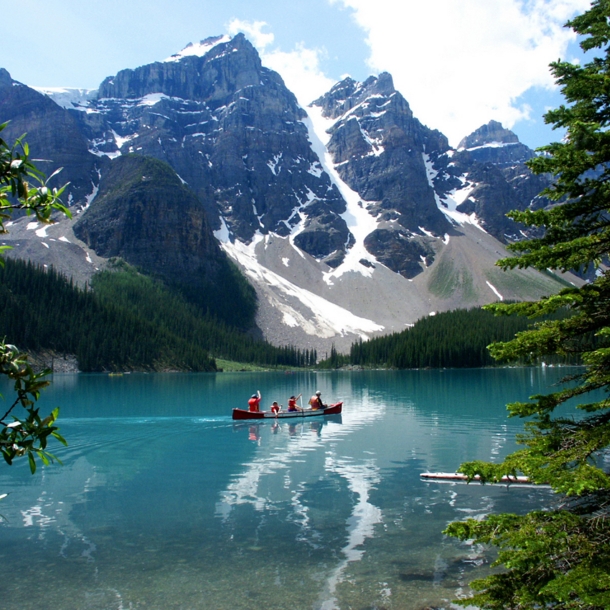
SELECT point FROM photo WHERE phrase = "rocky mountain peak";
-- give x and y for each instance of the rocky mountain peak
(492, 143)
(200, 48)
(332, 101)
(52, 132)
(5, 78)
(224, 69)
(492, 132)
(379, 85)
(498, 179)
(348, 93)
(210, 40)
(380, 151)
(235, 134)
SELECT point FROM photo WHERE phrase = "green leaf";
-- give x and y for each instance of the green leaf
(32, 462)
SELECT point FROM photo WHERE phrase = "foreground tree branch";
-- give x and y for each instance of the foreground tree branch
(23, 432)
(560, 558)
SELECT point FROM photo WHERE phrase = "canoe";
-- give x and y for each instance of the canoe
(245, 414)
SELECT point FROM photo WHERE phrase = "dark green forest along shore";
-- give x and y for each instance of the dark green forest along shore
(452, 339)
(126, 321)
(130, 321)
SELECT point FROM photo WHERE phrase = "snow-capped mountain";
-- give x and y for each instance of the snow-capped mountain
(349, 217)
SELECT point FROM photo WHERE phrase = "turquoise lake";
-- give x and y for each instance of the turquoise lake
(163, 502)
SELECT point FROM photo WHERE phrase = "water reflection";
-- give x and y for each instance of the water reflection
(164, 501)
(360, 526)
(276, 480)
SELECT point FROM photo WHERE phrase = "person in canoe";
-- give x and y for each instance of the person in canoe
(275, 408)
(255, 401)
(316, 401)
(292, 403)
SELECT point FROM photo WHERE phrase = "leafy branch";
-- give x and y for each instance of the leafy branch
(27, 433)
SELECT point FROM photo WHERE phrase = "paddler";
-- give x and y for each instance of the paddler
(292, 403)
(255, 401)
(316, 401)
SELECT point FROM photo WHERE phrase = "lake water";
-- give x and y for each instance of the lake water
(163, 502)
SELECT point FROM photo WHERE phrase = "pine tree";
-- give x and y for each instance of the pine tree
(560, 558)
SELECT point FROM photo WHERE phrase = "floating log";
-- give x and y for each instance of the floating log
(458, 476)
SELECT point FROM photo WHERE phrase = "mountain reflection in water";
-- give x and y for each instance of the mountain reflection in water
(163, 501)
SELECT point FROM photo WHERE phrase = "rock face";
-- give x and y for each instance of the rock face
(491, 162)
(235, 134)
(145, 215)
(491, 143)
(380, 151)
(53, 134)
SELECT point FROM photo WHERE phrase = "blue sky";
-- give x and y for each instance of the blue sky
(459, 63)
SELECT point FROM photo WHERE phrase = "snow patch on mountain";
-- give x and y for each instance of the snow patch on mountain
(93, 194)
(492, 145)
(448, 204)
(199, 49)
(323, 318)
(222, 234)
(120, 140)
(359, 221)
(315, 169)
(69, 98)
(458, 196)
(272, 164)
(495, 291)
(152, 99)
(42, 232)
(298, 210)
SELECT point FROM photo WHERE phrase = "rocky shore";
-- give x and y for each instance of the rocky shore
(58, 363)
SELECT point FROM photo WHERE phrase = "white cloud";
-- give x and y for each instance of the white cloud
(300, 68)
(461, 64)
(253, 30)
(301, 72)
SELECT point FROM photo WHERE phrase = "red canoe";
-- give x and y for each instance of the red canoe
(245, 414)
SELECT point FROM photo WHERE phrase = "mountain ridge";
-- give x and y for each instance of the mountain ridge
(350, 218)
